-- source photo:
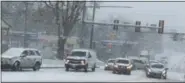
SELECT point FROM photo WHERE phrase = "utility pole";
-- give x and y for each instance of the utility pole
(92, 29)
(83, 24)
(59, 30)
(25, 28)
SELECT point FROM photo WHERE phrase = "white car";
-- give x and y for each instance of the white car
(18, 58)
(81, 59)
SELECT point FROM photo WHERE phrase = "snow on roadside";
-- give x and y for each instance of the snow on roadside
(52, 63)
(176, 76)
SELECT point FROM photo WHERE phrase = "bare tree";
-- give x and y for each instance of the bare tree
(66, 15)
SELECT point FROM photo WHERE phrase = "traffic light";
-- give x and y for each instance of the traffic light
(115, 27)
(161, 25)
(138, 29)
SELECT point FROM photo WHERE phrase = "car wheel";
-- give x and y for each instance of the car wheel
(114, 72)
(76, 69)
(36, 66)
(67, 68)
(93, 69)
(129, 72)
(85, 69)
(147, 75)
(163, 77)
(16, 66)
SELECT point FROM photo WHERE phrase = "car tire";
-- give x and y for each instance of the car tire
(147, 75)
(93, 69)
(16, 66)
(85, 69)
(114, 72)
(163, 77)
(67, 68)
(36, 66)
(129, 72)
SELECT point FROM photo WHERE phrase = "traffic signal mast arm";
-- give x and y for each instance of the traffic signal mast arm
(123, 25)
(132, 26)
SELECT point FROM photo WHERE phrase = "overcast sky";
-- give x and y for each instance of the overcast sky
(148, 12)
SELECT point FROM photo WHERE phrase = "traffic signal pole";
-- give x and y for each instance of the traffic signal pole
(92, 29)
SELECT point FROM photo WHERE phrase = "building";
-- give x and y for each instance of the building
(5, 28)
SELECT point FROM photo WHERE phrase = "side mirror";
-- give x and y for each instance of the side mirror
(23, 55)
(89, 56)
(166, 68)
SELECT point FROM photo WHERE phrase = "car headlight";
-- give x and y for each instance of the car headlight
(149, 70)
(106, 65)
(83, 62)
(129, 67)
(163, 72)
(115, 65)
(67, 61)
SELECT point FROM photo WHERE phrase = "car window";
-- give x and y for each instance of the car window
(123, 61)
(31, 53)
(37, 53)
(25, 52)
(138, 61)
(157, 66)
(111, 61)
(79, 54)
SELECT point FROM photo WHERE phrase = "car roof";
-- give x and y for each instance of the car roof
(82, 49)
(110, 59)
(157, 63)
(122, 59)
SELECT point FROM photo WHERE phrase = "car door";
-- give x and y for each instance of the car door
(31, 58)
(24, 59)
(90, 59)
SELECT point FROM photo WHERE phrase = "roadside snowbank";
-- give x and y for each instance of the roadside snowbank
(176, 76)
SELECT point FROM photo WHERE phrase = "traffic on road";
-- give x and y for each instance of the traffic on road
(92, 41)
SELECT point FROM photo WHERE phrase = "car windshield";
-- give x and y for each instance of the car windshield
(111, 61)
(157, 66)
(12, 52)
(79, 54)
(123, 61)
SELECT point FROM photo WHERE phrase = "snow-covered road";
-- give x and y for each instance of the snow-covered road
(60, 75)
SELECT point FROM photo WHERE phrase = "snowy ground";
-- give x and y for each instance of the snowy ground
(51, 73)
(60, 75)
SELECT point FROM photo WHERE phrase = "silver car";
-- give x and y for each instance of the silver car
(156, 70)
(18, 58)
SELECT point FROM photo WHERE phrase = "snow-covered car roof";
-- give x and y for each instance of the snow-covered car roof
(110, 59)
(16, 51)
(122, 59)
(83, 49)
(157, 64)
